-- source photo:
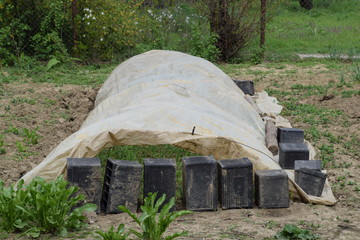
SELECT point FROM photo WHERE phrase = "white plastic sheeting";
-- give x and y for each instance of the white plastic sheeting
(158, 98)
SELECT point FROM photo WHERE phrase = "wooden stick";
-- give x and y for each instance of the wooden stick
(252, 103)
(271, 137)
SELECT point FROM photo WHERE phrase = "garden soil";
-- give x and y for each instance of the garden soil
(58, 111)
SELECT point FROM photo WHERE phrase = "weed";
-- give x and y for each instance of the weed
(119, 234)
(340, 182)
(31, 137)
(308, 224)
(257, 55)
(291, 231)
(154, 225)
(2, 149)
(352, 145)
(271, 224)
(349, 94)
(355, 72)
(17, 101)
(312, 133)
(41, 207)
(327, 153)
(309, 90)
(20, 146)
(49, 102)
(332, 138)
(351, 183)
(10, 199)
(13, 130)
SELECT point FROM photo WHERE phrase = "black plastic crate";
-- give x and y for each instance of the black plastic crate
(311, 181)
(236, 183)
(160, 177)
(290, 152)
(85, 173)
(200, 183)
(272, 189)
(309, 164)
(290, 135)
(246, 86)
(121, 185)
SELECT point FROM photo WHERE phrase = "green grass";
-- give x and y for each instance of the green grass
(92, 75)
(331, 27)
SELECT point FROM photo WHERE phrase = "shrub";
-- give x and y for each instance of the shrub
(107, 28)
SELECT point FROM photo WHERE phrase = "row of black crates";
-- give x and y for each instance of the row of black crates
(205, 181)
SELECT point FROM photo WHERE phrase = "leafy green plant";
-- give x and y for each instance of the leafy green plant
(203, 46)
(292, 232)
(12, 129)
(11, 216)
(154, 225)
(50, 207)
(119, 234)
(20, 146)
(41, 207)
(31, 135)
(327, 153)
(52, 62)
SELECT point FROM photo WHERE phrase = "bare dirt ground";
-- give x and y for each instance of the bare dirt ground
(58, 111)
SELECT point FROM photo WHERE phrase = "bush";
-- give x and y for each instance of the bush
(107, 28)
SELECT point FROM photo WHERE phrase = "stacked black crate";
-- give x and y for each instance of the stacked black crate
(291, 147)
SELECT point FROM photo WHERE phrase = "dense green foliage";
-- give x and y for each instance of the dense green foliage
(41, 207)
(98, 30)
